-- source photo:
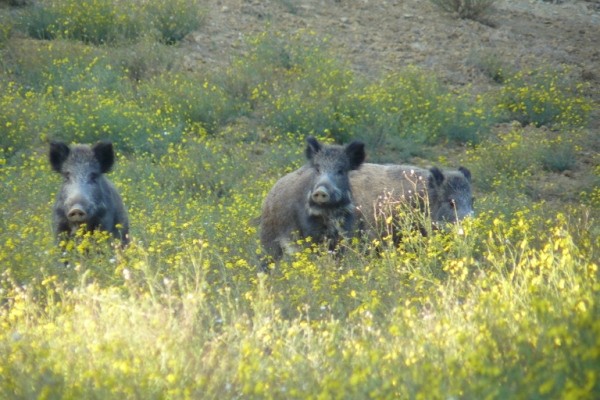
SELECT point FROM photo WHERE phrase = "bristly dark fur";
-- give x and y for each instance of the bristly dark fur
(86, 196)
(314, 201)
(446, 195)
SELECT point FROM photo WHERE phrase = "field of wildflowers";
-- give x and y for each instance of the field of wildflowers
(505, 306)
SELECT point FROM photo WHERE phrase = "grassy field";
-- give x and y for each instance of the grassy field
(507, 306)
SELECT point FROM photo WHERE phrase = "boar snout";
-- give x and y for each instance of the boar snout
(77, 214)
(320, 195)
(325, 193)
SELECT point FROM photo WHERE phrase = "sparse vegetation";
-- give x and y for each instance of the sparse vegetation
(544, 98)
(111, 21)
(472, 9)
(491, 65)
(504, 306)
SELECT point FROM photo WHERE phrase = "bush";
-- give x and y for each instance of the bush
(472, 9)
(491, 65)
(559, 155)
(429, 113)
(544, 98)
(311, 93)
(110, 21)
(302, 89)
(174, 19)
(506, 163)
(6, 28)
(514, 162)
(64, 66)
(93, 21)
(84, 116)
(191, 99)
(145, 59)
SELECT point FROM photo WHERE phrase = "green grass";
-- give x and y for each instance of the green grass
(506, 306)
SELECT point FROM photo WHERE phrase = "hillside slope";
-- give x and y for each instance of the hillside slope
(378, 37)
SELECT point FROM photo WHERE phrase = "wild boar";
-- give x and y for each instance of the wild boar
(86, 196)
(445, 196)
(313, 201)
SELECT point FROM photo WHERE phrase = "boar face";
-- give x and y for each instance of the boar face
(313, 201)
(450, 196)
(86, 197)
(330, 188)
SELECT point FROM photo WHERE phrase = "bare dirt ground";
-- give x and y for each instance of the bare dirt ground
(383, 36)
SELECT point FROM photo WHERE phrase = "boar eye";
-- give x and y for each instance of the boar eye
(318, 169)
(94, 177)
(66, 175)
(452, 203)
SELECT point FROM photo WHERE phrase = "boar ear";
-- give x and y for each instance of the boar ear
(58, 154)
(312, 147)
(465, 172)
(436, 178)
(104, 153)
(356, 154)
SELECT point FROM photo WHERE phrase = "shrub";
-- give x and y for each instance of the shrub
(84, 116)
(428, 112)
(191, 99)
(490, 64)
(472, 9)
(544, 98)
(174, 19)
(64, 66)
(506, 163)
(302, 88)
(17, 132)
(514, 162)
(110, 21)
(6, 27)
(254, 75)
(93, 21)
(559, 155)
(145, 59)
(310, 92)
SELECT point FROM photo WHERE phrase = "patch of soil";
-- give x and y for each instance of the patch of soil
(378, 37)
